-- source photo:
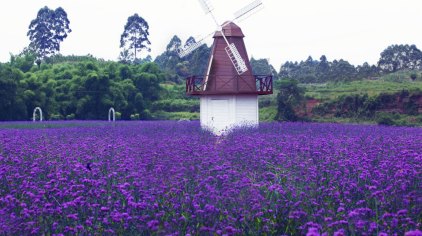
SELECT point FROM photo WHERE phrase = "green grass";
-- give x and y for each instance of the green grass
(162, 115)
(267, 113)
(390, 83)
(397, 120)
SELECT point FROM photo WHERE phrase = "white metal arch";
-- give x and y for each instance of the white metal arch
(111, 110)
(35, 112)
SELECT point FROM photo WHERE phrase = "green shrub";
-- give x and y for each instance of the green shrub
(385, 119)
(134, 116)
(174, 105)
(70, 117)
(55, 117)
(145, 115)
(118, 115)
(267, 113)
(162, 115)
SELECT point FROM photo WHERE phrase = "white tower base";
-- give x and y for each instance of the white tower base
(219, 113)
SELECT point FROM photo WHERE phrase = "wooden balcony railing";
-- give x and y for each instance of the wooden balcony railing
(200, 85)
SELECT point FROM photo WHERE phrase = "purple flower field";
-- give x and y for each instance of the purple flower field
(171, 178)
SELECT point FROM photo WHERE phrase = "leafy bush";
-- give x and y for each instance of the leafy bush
(385, 119)
(118, 115)
(173, 105)
(134, 116)
(70, 116)
(162, 115)
(56, 117)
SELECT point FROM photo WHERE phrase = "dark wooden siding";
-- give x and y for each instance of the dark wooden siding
(223, 76)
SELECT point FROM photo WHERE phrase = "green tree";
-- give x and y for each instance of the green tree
(398, 57)
(365, 71)
(323, 68)
(197, 61)
(47, 31)
(169, 59)
(135, 36)
(262, 67)
(24, 60)
(193, 64)
(289, 96)
(11, 105)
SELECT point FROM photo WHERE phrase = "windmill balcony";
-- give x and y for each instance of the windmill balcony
(227, 85)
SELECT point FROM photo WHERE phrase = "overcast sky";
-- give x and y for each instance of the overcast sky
(354, 30)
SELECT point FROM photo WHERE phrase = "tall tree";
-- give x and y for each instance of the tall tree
(135, 35)
(11, 105)
(289, 96)
(169, 59)
(397, 57)
(47, 31)
(322, 68)
(193, 64)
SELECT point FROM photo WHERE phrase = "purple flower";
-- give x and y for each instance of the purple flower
(312, 231)
(413, 233)
(153, 225)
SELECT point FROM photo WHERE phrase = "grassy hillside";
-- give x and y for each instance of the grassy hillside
(390, 83)
(176, 105)
(331, 92)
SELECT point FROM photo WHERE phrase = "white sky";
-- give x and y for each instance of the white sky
(354, 30)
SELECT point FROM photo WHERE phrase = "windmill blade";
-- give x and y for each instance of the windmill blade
(187, 49)
(231, 50)
(237, 61)
(248, 10)
(206, 6)
(234, 56)
(182, 52)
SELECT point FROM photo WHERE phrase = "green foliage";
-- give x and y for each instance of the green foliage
(179, 68)
(70, 117)
(385, 119)
(47, 31)
(399, 57)
(134, 116)
(134, 36)
(24, 61)
(413, 76)
(175, 105)
(267, 113)
(180, 115)
(394, 58)
(262, 67)
(314, 71)
(79, 88)
(12, 102)
(363, 106)
(391, 83)
(290, 95)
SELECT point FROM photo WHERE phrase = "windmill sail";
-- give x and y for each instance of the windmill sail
(206, 6)
(248, 10)
(238, 62)
(231, 50)
(187, 49)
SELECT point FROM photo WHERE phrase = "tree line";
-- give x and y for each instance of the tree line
(77, 88)
(51, 27)
(392, 59)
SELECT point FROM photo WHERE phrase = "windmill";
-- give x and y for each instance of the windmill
(228, 90)
(231, 50)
